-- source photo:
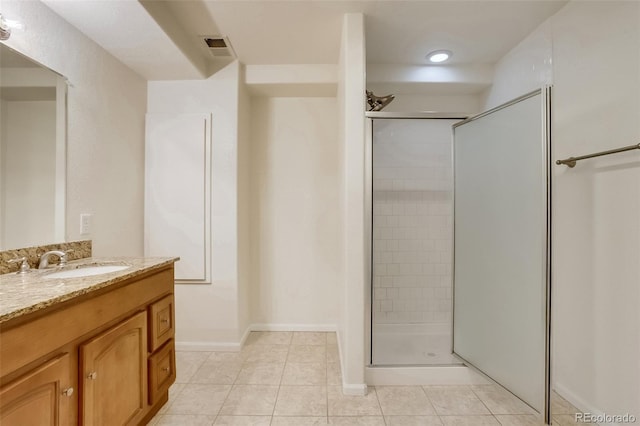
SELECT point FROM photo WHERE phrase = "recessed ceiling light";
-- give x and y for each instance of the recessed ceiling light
(439, 56)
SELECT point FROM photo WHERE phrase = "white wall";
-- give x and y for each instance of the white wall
(28, 172)
(105, 139)
(525, 68)
(594, 49)
(245, 208)
(404, 102)
(295, 213)
(351, 108)
(596, 66)
(207, 316)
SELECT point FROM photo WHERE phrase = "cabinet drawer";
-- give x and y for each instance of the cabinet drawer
(162, 317)
(162, 371)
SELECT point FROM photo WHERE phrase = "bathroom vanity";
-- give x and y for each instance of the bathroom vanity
(90, 350)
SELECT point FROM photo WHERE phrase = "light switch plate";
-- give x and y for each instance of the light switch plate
(85, 224)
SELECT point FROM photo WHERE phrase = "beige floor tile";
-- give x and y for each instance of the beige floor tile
(404, 400)
(565, 420)
(187, 363)
(307, 353)
(500, 401)
(357, 421)
(309, 338)
(250, 400)
(332, 338)
(267, 353)
(227, 357)
(185, 419)
(332, 354)
(301, 401)
(298, 421)
(305, 373)
(334, 375)
(260, 373)
(242, 421)
(199, 399)
(217, 370)
(269, 338)
(455, 400)
(413, 421)
(469, 421)
(352, 405)
(154, 420)
(520, 420)
(174, 390)
(559, 405)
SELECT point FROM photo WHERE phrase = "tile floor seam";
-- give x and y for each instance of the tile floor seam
(483, 403)
(384, 418)
(222, 405)
(275, 403)
(429, 400)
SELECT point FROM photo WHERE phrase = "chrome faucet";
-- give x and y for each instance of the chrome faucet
(44, 259)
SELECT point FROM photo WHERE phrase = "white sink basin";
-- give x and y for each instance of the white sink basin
(87, 271)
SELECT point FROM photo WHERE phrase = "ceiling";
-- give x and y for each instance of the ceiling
(162, 39)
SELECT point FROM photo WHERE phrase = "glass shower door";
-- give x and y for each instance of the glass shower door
(501, 245)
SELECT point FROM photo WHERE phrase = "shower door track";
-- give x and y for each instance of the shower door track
(418, 114)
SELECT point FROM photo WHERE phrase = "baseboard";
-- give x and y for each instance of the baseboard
(351, 389)
(245, 335)
(237, 346)
(208, 346)
(359, 389)
(293, 327)
(574, 399)
(580, 403)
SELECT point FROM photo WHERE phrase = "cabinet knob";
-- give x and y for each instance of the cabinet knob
(67, 392)
(165, 369)
(92, 376)
(164, 320)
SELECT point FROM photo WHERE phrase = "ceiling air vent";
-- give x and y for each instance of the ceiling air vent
(219, 46)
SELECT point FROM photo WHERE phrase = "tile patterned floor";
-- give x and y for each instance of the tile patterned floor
(293, 379)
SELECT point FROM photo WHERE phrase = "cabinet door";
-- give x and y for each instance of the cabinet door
(41, 397)
(114, 374)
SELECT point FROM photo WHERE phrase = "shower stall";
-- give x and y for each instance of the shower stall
(460, 248)
(412, 240)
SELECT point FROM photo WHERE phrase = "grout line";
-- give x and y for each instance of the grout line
(429, 400)
(280, 382)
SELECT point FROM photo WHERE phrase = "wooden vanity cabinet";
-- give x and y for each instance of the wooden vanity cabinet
(107, 358)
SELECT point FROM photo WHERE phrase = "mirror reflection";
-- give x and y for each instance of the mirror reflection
(32, 152)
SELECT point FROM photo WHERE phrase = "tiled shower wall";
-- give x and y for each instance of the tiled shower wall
(412, 221)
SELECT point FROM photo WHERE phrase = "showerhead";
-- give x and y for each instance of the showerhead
(376, 103)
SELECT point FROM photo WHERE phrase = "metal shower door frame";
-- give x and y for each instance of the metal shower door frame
(545, 93)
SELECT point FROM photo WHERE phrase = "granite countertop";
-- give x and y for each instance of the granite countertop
(22, 294)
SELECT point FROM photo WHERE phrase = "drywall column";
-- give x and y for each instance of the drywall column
(207, 315)
(351, 95)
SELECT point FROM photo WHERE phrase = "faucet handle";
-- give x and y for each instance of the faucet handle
(24, 265)
(63, 258)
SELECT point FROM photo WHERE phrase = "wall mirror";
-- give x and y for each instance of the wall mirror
(32, 152)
